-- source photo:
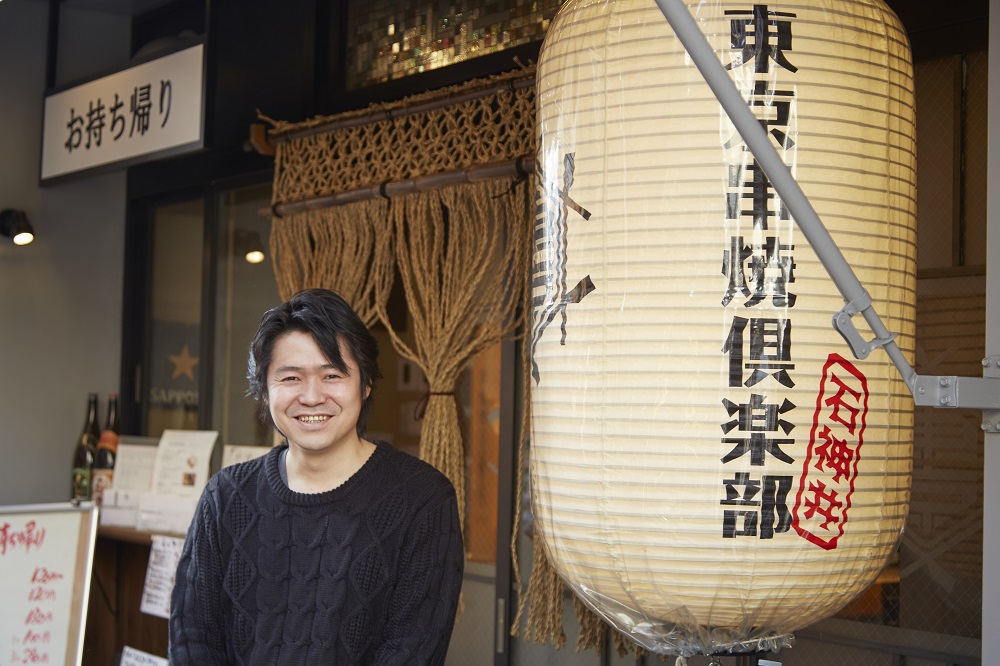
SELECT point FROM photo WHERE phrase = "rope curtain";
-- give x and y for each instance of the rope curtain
(462, 259)
(345, 248)
(462, 254)
(389, 142)
(349, 248)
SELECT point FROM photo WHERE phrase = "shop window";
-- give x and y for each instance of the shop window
(172, 388)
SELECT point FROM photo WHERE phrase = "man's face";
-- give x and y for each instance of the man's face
(312, 403)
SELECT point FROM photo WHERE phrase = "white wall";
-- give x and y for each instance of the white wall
(61, 296)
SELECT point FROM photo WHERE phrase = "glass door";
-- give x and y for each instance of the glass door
(244, 288)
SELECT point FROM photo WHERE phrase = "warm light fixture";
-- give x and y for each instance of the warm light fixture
(14, 224)
(249, 245)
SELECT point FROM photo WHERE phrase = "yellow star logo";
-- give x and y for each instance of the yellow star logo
(183, 364)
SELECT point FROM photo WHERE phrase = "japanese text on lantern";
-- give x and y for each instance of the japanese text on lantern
(553, 208)
(86, 128)
(758, 269)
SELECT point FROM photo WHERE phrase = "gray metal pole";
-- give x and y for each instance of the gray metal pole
(683, 24)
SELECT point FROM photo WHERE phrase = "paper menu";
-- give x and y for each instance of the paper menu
(183, 462)
(134, 465)
(163, 557)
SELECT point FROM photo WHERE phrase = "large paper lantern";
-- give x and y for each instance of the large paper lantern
(712, 469)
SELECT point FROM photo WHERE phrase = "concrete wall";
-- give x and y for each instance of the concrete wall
(61, 296)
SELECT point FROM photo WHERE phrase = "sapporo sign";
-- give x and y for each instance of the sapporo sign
(134, 115)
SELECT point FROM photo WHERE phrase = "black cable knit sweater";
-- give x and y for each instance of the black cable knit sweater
(367, 573)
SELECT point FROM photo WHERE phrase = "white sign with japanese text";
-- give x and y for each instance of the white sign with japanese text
(146, 109)
(133, 657)
(164, 554)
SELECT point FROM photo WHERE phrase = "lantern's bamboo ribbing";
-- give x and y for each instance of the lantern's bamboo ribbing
(276, 136)
(479, 172)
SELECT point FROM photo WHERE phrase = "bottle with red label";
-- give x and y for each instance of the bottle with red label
(107, 449)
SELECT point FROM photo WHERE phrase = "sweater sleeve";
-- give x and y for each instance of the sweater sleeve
(195, 625)
(425, 599)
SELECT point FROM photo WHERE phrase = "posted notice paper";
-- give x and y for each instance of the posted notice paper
(160, 572)
(133, 657)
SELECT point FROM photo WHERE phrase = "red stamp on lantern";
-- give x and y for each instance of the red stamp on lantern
(831, 463)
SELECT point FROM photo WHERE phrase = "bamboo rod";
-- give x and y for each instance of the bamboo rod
(473, 174)
(281, 136)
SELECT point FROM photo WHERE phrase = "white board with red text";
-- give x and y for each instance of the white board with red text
(46, 554)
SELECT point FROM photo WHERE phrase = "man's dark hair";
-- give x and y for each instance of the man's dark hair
(329, 320)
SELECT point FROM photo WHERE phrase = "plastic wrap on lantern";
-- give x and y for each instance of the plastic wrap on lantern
(712, 468)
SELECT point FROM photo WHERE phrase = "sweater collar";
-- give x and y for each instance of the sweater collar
(277, 477)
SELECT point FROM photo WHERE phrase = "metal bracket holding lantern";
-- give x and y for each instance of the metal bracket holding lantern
(928, 391)
(932, 390)
(844, 325)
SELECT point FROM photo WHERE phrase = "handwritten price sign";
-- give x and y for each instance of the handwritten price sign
(45, 558)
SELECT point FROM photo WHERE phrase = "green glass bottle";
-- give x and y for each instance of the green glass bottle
(83, 456)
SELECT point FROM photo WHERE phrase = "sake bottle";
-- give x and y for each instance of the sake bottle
(107, 449)
(83, 456)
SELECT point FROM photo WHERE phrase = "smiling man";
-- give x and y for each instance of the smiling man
(329, 549)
